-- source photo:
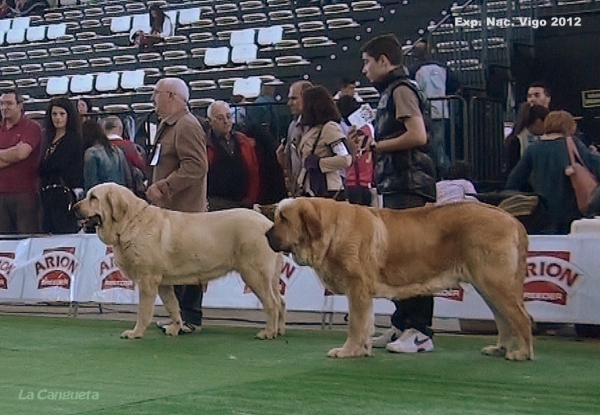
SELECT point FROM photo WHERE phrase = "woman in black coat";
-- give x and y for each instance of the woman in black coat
(61, 168)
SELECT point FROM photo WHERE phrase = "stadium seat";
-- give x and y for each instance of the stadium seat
(247, 87)
(270, 35)
(242, 37)
(254, 18)
(216, 56)
(56, 31)
(203, 85)
(132, 79)
(107, 81)
(14, 36)
(5, 25)
(82, 84)
(189, 16)
(120, 24)
(243, 53)
(21, 22)
(251, 5)
(281, 15)
(16, 56)
(57, 85)
(67, 2)
(173, 15)
(141, 22)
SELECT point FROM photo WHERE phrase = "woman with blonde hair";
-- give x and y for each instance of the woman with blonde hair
(544, 167)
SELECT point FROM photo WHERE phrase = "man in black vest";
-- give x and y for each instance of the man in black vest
(404, 174)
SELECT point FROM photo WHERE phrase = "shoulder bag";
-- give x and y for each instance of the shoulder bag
(584, 182)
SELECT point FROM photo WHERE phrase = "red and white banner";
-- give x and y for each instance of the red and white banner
(562, 284)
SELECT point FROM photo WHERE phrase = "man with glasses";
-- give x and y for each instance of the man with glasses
(179, 176)
(233, 175)
(20, 150)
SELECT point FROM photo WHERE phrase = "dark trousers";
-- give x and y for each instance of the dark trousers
(415, 312)
(190, 303)
(56, 206)
(19, 213)
(359, 195)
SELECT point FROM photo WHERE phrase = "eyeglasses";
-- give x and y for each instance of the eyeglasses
(223, 118)
(156, 92)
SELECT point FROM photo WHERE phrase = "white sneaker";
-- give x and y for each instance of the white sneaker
(388, 336)
(411, 341)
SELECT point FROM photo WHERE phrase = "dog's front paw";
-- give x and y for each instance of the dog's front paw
(266, 334)
(518, 355)
(172, 329)
(497, 351)
(346, 352)
(131, 334)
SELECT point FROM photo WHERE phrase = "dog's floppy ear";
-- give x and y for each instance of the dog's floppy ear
(310, 221)
(116, 204)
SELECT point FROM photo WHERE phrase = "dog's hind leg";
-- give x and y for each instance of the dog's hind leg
(167, 295)
(148, 286)
(514, 324)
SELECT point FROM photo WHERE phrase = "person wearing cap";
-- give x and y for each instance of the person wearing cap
(179, 177)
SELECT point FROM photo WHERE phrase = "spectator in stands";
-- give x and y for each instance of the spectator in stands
(30, 7)
(61, 169)
(543, 167)
(538, 94)
(322, 148)
(20, 150)
(179, 176)
(103, 162)
(113, 128)
(405, 174)
(85, 109)
(348, 89)
(287, 152)
(160, 27)
(261, 124)
(456, 185)
(233, 173)
(436, 80)
(530, 128)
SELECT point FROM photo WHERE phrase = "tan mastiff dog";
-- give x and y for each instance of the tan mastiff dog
(367, 252)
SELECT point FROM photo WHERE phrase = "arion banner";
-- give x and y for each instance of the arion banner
(562, 284)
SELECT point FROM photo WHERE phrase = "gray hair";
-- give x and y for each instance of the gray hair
(177, 86)
(213, 105)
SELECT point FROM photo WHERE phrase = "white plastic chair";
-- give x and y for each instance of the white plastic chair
(242, 37)
(244, 53)
(141, 22)
(5, 25)
(36, 33)
(107, 81)
(21, 22)
(57, 85)
(119, 24)
(270, 35)
(14, 36)
(216, 56)
(247, 87)
(56, 30)
(82, 84)
(173, 14)
(189, 16)
(132, 79)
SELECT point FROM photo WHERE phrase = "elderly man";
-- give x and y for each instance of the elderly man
(287, 155)
(179, 176)
(233, 174)
(113, 128)
(20, 149)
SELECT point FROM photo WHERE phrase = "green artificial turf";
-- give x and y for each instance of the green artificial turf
(224, 370)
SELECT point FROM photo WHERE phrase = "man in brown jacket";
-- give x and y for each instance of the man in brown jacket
(179, 176)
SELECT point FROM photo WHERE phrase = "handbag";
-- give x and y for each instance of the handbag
(584, 182)
(316, 179)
